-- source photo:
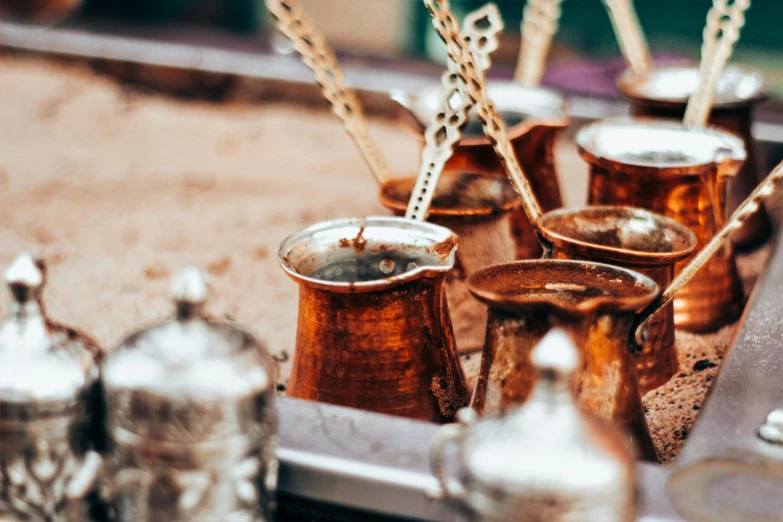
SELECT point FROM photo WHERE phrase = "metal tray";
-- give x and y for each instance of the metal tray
(345, 464)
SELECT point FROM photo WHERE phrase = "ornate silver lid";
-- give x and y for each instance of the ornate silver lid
(543, 461)
(190, 380)
(46, 369)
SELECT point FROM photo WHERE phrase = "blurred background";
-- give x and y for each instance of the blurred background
(585, 46)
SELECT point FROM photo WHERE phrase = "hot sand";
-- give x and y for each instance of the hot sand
(118, 190)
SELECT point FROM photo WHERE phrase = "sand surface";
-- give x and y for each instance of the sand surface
(117, 190)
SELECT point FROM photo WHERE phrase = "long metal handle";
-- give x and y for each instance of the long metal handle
(540, 20)
(444, 131)
(720, 34)
(317, 54)
(494, 127)
(743, 212)
(630, 36)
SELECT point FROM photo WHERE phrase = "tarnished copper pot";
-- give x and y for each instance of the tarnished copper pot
(680, 172)
(374, 330)
(477, 208)
(664, 93)
(535, 117)
(595, 303)
(636, 239)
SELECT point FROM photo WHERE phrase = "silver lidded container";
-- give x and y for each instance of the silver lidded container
(544, 461)
(191, 419)
(50, 408)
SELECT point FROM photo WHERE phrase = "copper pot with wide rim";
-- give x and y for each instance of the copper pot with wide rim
(477, 208)
(664, 93)
(595, 304)
(681, 173)
(636, 239)
(374, 329)
(535, 117)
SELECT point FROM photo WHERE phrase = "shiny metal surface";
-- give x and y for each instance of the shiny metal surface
(49, 408)
(679, 172)
(192, 418)
(374, 329)
(542, 461)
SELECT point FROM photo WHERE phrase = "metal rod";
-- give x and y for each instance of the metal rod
(318, 55)
(493, 125)
(743, 212)
(720, 34)
(445, 128)
(630, 37)
(540, 21)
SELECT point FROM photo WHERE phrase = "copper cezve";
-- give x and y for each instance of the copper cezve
(680, 172)
(374, 330)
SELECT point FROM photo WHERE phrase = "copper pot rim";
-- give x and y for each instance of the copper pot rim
(439, 241)
(399, 204)
(619, 254)
(549, 111)
(632, 87)
(493, 285)
(734, 149)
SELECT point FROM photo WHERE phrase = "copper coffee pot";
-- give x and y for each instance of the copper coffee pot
(680, 172)
(535, 117)
(477, 208)
(636, 239)
(664, 93)
(596, 304)
(374, 330)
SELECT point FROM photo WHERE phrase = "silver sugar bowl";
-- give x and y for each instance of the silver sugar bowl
(50, 409)
(542, 462)
(191, 419)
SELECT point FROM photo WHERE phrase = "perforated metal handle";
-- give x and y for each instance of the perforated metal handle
(722, 31)
(493, 125)
(540, 20)
(317, 54)
(444, 131)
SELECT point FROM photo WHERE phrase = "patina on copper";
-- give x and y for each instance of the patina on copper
(595, 303)
(374, 330)
(664, 93)
(636, 239)
(535, 117)
(477, 208)
(679, 172)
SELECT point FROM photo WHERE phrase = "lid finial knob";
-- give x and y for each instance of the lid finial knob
(555, 357)
(189, 290)
(25, 278)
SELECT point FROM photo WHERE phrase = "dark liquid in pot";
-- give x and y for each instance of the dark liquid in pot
(369, 267)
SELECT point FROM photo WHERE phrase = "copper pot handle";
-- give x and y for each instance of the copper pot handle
(743, 212)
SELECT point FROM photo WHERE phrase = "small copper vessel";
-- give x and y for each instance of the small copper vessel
(595, 303)
(374, 329)
(664, 93)
(51, 411)
(477, 208)
(636, 239)
(544, 461)
(191, 418)
(681, 173)
(535, 117)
